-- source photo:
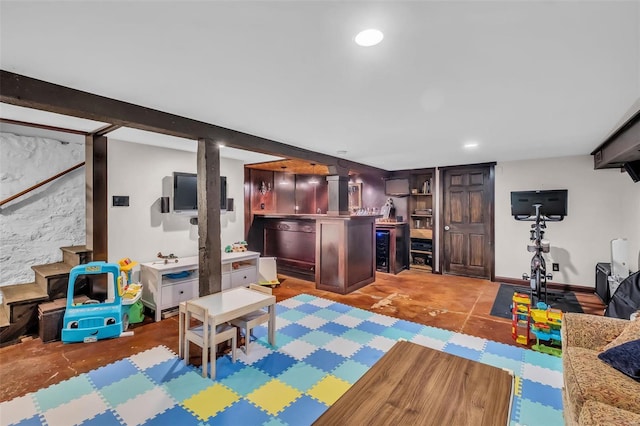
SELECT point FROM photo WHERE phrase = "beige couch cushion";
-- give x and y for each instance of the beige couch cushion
(597, 413)
(588, 378)
(631, 332)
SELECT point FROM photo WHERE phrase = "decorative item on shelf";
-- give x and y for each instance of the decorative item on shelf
(265, 187)
(238, 246)
(388, 211)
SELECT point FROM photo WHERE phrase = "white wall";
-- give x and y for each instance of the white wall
(144, 173)
(602, 205)
(35, 226)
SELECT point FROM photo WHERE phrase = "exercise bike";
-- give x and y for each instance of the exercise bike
(539, 276)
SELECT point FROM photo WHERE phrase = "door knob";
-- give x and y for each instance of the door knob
(446, 228)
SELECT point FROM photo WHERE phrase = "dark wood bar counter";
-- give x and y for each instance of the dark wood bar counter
(336, 252)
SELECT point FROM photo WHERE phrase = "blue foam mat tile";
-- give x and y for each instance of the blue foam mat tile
(108, 418)
(324, 360)
(225, 367)
(294, 330)
(367, 355)
(371, 327)
(167, 370)
(304, 411)
(275, 363)
(543, 360)
(334, 328)
(339, 307)
(246, 380)
(534, 413)
(503, 350)
(543, 394)
(112, 373)
(462, 351)
(176, 415)
(411, 327)
(308, 309)
(304, 297)
(187, 385)
(241, 412)
(63, 392)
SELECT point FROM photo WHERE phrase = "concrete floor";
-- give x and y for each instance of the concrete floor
(458, 304)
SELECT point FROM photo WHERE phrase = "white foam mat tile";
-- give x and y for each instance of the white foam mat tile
(256, 353)
(383, 320)
(313, 322)
(348, 321)
(343, 347)
(144, 407)
(299, 349)
(76, 411)
(17, 409)
(467, 341)
(428, 342)
(152, 357)
(381, 343)
(282, 323)
(291, 303)
(322, 303)
(542, 375)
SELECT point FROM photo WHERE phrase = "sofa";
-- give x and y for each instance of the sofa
(594, 392)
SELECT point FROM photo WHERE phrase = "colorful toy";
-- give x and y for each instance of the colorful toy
(238, 246)
(267, 274)
(546, 326)
(168, 257)
(93, 320)
(521, 320)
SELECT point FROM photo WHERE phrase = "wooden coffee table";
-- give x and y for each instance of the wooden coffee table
(416, 385)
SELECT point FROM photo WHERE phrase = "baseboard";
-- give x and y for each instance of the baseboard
(550, 285)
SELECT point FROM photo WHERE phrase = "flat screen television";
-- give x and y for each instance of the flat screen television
(396, 186)
(553, 204)
(185, 193)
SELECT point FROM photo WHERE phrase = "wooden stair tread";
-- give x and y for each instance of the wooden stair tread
(75, 249)
(52, 269)
(4, 318)
(17, 293)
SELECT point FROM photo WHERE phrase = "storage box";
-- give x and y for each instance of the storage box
(51, 316)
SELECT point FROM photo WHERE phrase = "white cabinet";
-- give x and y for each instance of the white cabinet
(165, 285)
(239, 269)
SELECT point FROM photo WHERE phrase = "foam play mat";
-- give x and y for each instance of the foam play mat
(323, 347)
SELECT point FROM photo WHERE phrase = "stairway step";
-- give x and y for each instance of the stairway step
(22, 293)
(51, 270)
(53, 278)
(76, 255)
(4, 317)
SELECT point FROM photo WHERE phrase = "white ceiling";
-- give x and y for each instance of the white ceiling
(525, 79)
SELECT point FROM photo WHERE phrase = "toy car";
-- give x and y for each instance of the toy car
(93, 320)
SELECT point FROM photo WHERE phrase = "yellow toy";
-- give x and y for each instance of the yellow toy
(521, 319)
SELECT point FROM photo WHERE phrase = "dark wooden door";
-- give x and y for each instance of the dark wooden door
(467, 221)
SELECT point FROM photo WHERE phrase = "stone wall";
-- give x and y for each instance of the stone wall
(35, 226)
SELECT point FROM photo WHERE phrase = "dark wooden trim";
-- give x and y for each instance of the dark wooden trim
(39, 184)
(29, 92)
(43, 126)
(550, 285)
(209, 244)
(492, 250)
(621, 147)
(487, 164)
(96, 196)
(106, 129)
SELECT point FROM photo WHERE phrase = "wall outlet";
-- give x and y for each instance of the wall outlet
(555, 266)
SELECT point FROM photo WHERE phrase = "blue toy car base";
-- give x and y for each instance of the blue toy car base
(93, 321)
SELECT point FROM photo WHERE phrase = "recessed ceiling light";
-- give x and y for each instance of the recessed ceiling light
(369, 37)
(471, 145)
(221, 145)
(341, 152)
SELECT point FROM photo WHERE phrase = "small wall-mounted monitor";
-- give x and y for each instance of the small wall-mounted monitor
(553, 204)
(185, 193)
(397, 187)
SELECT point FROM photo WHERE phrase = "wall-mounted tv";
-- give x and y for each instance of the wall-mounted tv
(396, 187)
(185, 193)
(553, 204)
